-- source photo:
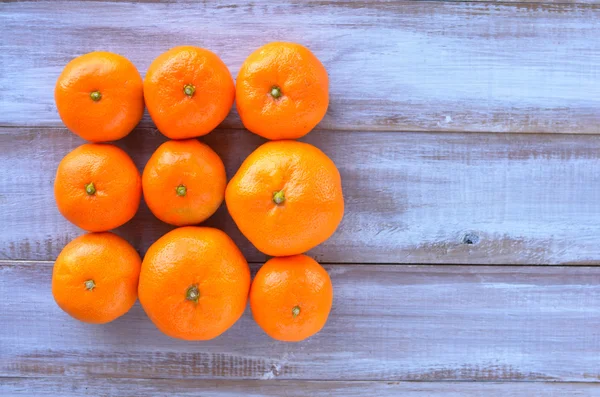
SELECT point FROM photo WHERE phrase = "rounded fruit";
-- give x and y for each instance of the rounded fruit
(291, 298)
(282, 91)
(99, 96)
(194, 283)
(97, 187)
(189, 91)
(95, 277)
(286, 198)
(184, 182)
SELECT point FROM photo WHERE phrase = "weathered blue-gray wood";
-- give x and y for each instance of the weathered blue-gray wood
(466, 197)
(394, 323)
(393, 65)
(410, 197)
(94, 387)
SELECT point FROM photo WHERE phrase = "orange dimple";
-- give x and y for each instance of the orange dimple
(119, 103)
(291, 298)
(313, 204)
(95, 277)
(115, 189)
(301, 97)
(184, 182)
(209, 97)
(199, 257)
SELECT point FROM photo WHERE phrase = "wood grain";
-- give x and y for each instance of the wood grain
(402, 73)
(410, 197)
(379, 4)
(68, 387)
(394, 66)
(391, 323)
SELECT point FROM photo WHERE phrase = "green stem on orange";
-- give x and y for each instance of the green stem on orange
(295, 311)
(275, 92)
(95, 95)
(90, 285)
(90, 189)
(181, 190)
(278, 197)
(193, 293)
(189, 89)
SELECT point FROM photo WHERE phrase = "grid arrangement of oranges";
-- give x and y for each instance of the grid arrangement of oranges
(286, 198)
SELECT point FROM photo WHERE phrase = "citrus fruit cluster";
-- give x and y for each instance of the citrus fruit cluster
(286, 197)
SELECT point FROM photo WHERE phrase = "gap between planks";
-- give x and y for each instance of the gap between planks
(18, 262)
(36, 387)
(329, 131)
(348, 3)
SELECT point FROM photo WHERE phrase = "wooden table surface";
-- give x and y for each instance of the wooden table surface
(467, 134)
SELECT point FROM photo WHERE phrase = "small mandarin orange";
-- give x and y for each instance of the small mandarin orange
(99, 96)
(95, 277)
(286, 198)
(184, 182)
(97, 187)
(189, 91)
(282, 91)
(291, 298)
(194, 283)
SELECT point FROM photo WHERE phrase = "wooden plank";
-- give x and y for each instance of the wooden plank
(394, 66)
(36, 387)
(357, 4)
(410, 197)
(393, 323)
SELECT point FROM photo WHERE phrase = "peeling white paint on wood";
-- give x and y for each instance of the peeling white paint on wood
(395, 66)
(395, 323)
(410, 197)
(78, 387)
